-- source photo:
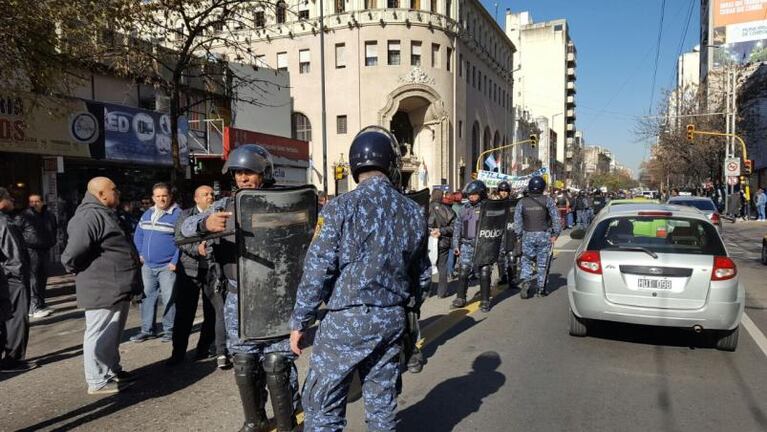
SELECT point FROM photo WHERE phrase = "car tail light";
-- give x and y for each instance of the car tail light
(724, 269)
(590, 262)
(715, 218)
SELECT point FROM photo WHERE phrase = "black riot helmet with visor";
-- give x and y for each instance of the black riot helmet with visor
(376, 148)
(251, 157)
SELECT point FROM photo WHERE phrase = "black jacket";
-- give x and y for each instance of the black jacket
(103, 258)
(39, 229)
(14, 263)
(190, 256)
(442, 217)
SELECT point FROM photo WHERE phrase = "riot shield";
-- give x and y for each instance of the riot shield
(421, 198)
(274, 228)
(511, 235)
(492, 224)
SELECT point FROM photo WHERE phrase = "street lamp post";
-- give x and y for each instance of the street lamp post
(322, 98)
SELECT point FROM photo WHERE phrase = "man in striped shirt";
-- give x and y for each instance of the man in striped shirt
(155, 241)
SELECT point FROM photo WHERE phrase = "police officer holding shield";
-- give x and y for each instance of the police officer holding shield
(507, 263)
(465, 231)
(257, 364)
(536, 220)
(366, 255)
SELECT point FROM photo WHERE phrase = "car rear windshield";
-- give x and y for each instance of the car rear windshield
(698, 204)
(659, 234)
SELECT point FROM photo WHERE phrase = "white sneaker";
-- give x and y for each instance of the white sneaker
(41, 313)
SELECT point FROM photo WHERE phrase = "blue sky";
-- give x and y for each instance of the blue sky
(616, 41)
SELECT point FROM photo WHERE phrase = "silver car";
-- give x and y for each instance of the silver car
(656, 264)
(703, 204)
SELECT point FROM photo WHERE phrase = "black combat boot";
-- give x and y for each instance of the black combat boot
(277, 368)
(250, 381)
(463, 286)
(485, 274)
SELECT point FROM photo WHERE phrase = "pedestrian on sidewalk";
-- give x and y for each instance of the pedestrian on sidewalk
(14, 292)
(155, 240)
(106, 266)
(760, 201)
(197, 273)
(39, 239)
(371, 228)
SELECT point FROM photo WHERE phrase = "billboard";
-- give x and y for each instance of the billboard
(740, 30)
(49, 126)
(290, 156)
(137, 135)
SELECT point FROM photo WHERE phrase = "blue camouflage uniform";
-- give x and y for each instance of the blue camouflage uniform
(361, 264)
(464, 232)
(192, 227)
(536, 234)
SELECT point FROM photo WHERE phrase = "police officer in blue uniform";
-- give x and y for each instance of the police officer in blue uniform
(465, 230)
(361, 264)
(536, 220)
(507, 261)
(257, 364)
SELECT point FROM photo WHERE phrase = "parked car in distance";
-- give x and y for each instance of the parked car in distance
(704, 204)
(656, 264)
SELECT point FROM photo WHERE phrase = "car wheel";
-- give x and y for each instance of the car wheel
(764, 253)
(577, 326)
(728, 340)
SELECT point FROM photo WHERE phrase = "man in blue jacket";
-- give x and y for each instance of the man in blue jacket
(155, 240)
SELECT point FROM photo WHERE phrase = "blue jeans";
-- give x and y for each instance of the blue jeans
(569, 219)
(760, 209)
(158, 281)
(451, 262)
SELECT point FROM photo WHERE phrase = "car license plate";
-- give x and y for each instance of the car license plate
(663, 284)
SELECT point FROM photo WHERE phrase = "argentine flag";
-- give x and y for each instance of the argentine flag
(491, 163)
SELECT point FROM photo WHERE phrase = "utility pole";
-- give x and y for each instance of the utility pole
(322, 97)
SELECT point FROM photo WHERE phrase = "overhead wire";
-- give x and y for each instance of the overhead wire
(657, 55)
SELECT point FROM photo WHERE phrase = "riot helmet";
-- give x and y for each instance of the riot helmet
(504, 187)
(476, 187)
(375, 148)
(536, 185)
(251, 157)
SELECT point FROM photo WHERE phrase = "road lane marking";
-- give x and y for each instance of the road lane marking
(756, 334)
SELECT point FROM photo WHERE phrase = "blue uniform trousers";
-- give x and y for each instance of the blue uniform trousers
(361, 338)
(258, 348)
(467, 256)
(535, 246)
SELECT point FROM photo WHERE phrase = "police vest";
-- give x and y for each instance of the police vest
(470, 221)
(535, 215)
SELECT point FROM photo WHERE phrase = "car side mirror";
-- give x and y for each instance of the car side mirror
(578, 234)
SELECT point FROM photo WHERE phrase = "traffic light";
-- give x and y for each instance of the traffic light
(340, 172)
(690, 132)
(533, 140)
(748, 166)
(473, 175)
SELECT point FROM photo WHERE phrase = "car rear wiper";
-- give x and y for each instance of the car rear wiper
(636, 248)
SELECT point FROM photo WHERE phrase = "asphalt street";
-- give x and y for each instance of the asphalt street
(513, 369)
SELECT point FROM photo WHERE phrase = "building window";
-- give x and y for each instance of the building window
(460, 128)
(449, 59)
(302, 128)
(341, 124)
(340, 6)
(433, 6)
(392, 4)
(281, 10)
(393, 57)
(304, 61)
(282, 61)
(371, 53)
(449, 8)
(415, 4)
(371, 4)
(259, 19)
(435, 55)
(340, 56)
(474, 76)
(479, 80)
(558, 27)
(261, 61)
(415, 53)
(460, 64)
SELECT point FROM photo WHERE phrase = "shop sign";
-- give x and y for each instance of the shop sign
(137, 135)
(47, 125)
(280, 147)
